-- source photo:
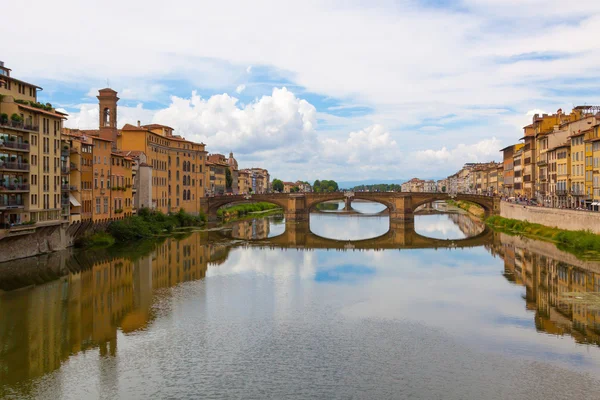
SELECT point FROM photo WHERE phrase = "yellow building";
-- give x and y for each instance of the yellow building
(178, 165)
(121, 186)
(30, 157)
(218, 166)
(244, 182)
(563, 174)
(577, 170)
(592, 165)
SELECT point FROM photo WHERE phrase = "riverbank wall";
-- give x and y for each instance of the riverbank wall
(570, 220)
(38, 240)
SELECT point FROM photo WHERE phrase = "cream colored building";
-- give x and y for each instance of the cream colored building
(33, 163)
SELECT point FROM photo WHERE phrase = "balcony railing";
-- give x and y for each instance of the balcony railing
(14, 165)
(21, 125)
(561, 192)
(14, 187)
(4, 202)
(65, 187)
(64, 169)
(15, 145)
(73, 188)
(73, 166)
(543, 159)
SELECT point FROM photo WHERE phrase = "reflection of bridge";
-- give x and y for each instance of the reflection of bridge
(297, 206)
(401, 235)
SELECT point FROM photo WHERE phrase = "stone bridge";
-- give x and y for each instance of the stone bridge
(298, 206)
(401, 235)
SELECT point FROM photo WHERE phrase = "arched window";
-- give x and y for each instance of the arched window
(106, 116)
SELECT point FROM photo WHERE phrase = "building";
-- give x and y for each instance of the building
(563, 175)
(288, 187)
(178, 166)
(508, 188)
(244, 182)
(33, 163)
(234, 171)
(260, 180)
(304, 187)
(218, 166)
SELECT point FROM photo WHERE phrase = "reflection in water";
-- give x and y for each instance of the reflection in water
(437, 226)
(258, 228)
(486, 322)
(348, 227)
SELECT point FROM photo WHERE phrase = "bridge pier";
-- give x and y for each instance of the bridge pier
(296, 208)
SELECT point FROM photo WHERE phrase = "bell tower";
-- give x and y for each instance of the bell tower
(108, 99)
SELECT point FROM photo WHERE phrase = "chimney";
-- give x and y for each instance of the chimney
(138, 123)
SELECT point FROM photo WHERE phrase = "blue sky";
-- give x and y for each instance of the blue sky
(344, 90)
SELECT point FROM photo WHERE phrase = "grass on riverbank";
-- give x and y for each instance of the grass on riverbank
(244, 209)
(578, 241)
(472, 208)
(146, 224)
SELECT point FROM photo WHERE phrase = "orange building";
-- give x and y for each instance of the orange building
(178, 165)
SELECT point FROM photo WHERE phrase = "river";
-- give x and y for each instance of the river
(331, 310)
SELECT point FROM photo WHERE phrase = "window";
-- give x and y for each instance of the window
(106, 205)
(97, 205)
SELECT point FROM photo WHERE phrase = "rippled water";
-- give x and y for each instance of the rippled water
(264, 310)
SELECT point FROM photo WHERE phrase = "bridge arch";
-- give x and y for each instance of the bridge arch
(486, 202)
(315, 200)
(215, 203)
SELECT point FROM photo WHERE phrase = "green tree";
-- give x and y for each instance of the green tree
(295, 189)
(444, 189)
(277, 185)
(317, 186)
(228, 179)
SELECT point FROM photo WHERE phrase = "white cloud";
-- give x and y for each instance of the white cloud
(240, 88)
(414, 65)
(372, 145)
(87, 116)
(272, 121)
(482, 151)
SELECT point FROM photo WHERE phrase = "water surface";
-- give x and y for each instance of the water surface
(237, 314)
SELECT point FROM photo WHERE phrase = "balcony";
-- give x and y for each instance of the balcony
(64, 170)
(13, 166)
(21, 125)
(74, 150)
(73, 166)
(65, 151)
(65, 187)
(561, 192)
(17, 187)
(16, 146)
(73, 188)
(11, 202)
(543, 159)
(543, 178)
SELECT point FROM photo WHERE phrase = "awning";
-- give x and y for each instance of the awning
(74, 201)
(595, 203)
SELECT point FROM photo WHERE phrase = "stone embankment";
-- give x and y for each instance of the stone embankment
(570, 220)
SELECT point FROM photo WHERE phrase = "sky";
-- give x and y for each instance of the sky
(330, 89)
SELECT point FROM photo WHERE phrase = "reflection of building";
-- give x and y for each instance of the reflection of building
(251, 229)
(547, 280)
(467, 224)
(84, 310)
